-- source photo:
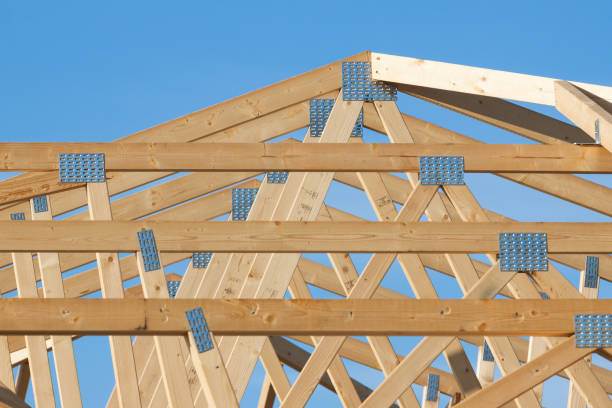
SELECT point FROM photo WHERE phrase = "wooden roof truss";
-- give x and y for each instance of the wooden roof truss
(176, 180)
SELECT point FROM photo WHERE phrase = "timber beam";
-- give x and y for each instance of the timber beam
(362, 157)
(321, 317)
(472, 80)
(296, 236)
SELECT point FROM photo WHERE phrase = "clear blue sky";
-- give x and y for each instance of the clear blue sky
(79, 71)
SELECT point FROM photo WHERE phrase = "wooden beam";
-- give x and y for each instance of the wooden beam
(6, 369)
(274, 370)
(269, 197)
(152, 392)
(586, 110)
(63, 352)
(264, 128)
(460, 264)
(42, 384)
(257, 157)
(530, 375)
(360, 352)
(580, 373)
(111, 284)
(171, 360)
(503, 114)
(381, 345)
(293, 236)
(473, 80)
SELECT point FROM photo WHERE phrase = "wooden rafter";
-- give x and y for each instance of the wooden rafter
(473, 80)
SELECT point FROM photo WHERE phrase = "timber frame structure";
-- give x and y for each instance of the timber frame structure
(199, 336)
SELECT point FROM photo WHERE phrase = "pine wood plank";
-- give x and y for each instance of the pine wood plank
(111, 284)
(363, 157)
(63, 352)
(213, 375)
(37, 350)
(337, 372)
(170, 358)
(274, 370)
(473, 80)
(263, 317)
(297, 236)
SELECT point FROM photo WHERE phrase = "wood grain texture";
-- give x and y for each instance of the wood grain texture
(295, 236)
(63, 352)
(38, 361)
(473, 80)
(111, 285)
(258, 157)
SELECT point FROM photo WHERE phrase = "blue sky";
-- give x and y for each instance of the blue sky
(84, 71)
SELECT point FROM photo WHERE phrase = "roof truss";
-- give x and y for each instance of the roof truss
(256, 262)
